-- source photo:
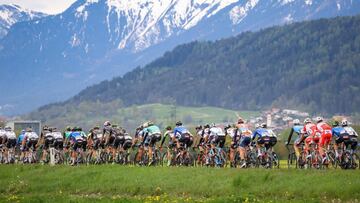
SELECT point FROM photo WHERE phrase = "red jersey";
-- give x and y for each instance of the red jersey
(324, 128)
(310, 129)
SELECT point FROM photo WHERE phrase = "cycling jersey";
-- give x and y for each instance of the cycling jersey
(325, 131)
(31, 136)
(20, 138)
(67, 134)
(179, 131)
(152, 130)
(10, 135)
(298, 130)
(76, 137)
(2, 136)
(310, 129)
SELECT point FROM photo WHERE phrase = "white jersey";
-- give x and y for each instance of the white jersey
(128, 137)
(350, 131)
(231, 132)
(10, 135)
(2, 133)
(271, 133)
(57, 135)
(217, 131)
(31, 135)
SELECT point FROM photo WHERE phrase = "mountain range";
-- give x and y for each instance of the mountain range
(11, 14)
(311, 66)
(54, 57)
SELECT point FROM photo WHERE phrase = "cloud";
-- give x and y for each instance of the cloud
(46, 6)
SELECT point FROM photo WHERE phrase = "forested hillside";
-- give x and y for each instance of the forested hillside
(311, 65)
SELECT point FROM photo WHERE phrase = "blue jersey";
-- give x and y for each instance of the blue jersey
(180, 130)
(297, 129)
(261, 132)
(336, 131)
(74, 136)
(20, 138)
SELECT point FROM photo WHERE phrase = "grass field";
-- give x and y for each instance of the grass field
(106, 183)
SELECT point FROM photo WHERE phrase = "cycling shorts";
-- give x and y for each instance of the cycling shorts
(268, 142)
(348, 140)
(48, 141)
(218, 141)
(245, 141)
(325, 139)
(59, 144)
(152, 139)
(11, 143)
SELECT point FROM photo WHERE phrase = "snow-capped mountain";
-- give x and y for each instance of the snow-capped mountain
(98, 39)
(11, 14)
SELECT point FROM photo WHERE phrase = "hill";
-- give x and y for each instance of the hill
(310, 65)
(87, 114)
(97, 39)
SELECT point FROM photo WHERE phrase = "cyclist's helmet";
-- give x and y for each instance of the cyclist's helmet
(96, 127)
(23, 131)
(344, 123)
(7, 128)
(168, 128)
(307, 120)
(263, 125)
(335, 123)
(179, 123)
(213, 125)
(207, 126)
(114, 125)
(319, 119)
(257, 125)
(296, 122)
(107, 123)
(240, 121)
(145, 125)
(28, 129)
(68, 128)
(198, 127)
(45, 127)
(227, 126)
(150, 123)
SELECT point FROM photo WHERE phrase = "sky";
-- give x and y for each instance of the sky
(46, 6)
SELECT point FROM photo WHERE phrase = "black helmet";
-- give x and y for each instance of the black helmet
(207, 125)
(96, 127)
(179, 123)
(336, 123)
(199, 127)
(168, 128)
(263, 125)
(68, 128)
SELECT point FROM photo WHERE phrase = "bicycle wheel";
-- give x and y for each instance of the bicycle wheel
(355, 161)
(275, 160)
(332, 159)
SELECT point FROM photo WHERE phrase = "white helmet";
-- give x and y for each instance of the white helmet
(319, 119)
(296, 122)
(7, 128)
(107, 123)
(307, 120)
(257, 125)
(344, 122)
(263, 125)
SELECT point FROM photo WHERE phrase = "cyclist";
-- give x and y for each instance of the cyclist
(182, 135)
(217, 136)
(76, 141)
(10, 142)
(171, 144)
(297, 129)
(109, 136)
(344, 134)
(325, 131)
(243, 140)
(30, 141)
(311, 133)
(18, 143)
(46, 140)
(66, 136)
(152, 136)
(95, 140)
(231, 131)
(119, 135)
(58, 139)
(266, 138)
(139, 137)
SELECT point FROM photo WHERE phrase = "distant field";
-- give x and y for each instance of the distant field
(142, 184)
(89, 114)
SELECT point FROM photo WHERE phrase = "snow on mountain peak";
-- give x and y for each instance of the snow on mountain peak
(11, 14)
